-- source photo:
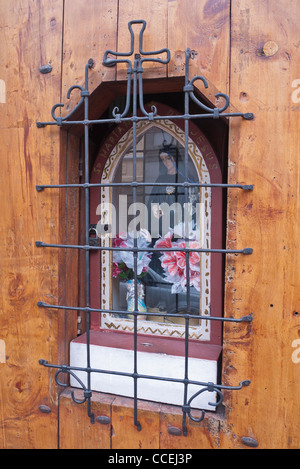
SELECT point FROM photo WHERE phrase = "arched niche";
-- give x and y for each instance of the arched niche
(208, 171)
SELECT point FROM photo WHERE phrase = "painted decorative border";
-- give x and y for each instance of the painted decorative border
(148, 327)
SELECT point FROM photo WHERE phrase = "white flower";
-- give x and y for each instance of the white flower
(127, 256)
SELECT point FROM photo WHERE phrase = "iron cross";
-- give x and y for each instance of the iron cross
(109, 62)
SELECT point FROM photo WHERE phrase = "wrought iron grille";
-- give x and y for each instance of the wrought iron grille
(135, 92)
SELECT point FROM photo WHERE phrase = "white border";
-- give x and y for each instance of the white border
(201, 332)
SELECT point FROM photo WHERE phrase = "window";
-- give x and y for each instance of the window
(161, 163)
(155, 165)
(159, 160)
(160, 209)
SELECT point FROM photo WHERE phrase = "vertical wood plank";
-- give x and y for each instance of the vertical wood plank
(76, 430)
(125, 434)
(29, 274)
(264, 152)
(204, 28)
(202, 435)
(90, 28)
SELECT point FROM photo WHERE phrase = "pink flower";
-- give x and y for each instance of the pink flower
(118, 242)
(174, 263)
(116, 270)
(165, 242)
(169, 262)
(194, 256)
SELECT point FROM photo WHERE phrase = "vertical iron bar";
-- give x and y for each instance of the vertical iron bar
(134, 189)
(186, 161)
(87, 225)
(187, 254)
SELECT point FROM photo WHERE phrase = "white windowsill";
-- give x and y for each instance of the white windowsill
(117, 357)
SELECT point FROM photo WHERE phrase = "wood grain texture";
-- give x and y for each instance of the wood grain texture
(89, 30)
(76, 429)
(202, 26)
(254, 54)
(28, 157)
(200, 435)
(77, 432)
(125, 434)
(264, 153)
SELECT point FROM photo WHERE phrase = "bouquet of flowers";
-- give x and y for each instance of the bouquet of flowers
(123, 261)
(174, 262)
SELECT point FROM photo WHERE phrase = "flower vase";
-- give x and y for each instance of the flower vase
(130, 298)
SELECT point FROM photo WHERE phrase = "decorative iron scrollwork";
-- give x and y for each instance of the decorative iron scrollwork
(135, 80)
(210, 387)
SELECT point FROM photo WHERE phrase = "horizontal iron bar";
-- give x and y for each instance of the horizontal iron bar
(67, 368)
(247, 187)
(248, 318)
(245, 251)
(247, 116)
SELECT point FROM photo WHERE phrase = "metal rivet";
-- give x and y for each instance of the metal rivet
(174, 431)
(103, 419)
(44, 409)
(46, 69)
(247, 441)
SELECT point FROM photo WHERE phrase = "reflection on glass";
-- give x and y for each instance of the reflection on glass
(164, 216)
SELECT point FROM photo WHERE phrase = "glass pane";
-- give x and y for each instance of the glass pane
(163, 217)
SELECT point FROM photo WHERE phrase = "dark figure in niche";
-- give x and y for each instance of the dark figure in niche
(166, 211)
